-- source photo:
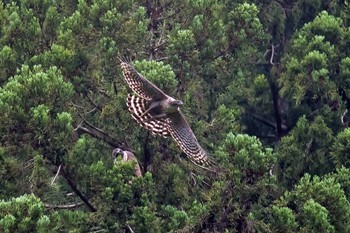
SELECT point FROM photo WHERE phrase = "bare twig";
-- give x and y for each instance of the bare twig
(92, 110)
(75, 189)
(77, 106)
(107, 139)
(93, 102)
(158, 45)
(193, 179)
(100, 134)
(194, 176)
(29, 163)
(280, 2)
(68, 206)
(267, 122)
(104, 93)
(58, 172)
(272, 54)
(97, 230)
(343, 116)
(264, 121)
(115, 88)
(265, 54)
(162, 58)
(308, 147)
(95, 128)
(130, 229)
(271, 168)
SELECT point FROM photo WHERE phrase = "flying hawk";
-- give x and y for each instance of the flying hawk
(161, 114)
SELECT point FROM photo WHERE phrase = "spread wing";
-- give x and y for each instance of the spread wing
(137, 106)
(140, 85)
(185, 138)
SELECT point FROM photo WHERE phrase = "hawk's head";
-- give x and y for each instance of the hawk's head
(176, 103)
(171, 105)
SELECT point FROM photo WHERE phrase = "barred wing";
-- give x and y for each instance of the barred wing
(185, 138)
(140, 85)
(137, 106)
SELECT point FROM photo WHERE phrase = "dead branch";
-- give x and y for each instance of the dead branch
(74, 188)
(106, 138)
(96, 128)
(162, 58)
(115, 88)
(343, 116)
(98, 133)
(103, 92)
(96, 230)
(271, 169)
(92, 110)
(267, 122)
(58, 172)
(308, 147)
(264, 121)
(93, 102)
(130, 229)
(273, 53)
(68, 206)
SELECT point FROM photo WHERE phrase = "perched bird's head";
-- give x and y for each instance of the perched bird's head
(116, 152)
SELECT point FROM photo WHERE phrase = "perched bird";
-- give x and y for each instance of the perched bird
(127, 156)
(161, 114)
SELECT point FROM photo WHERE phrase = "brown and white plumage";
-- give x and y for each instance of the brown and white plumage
(128, 156)
(161, 115)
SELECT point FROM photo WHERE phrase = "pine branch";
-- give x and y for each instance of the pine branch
(103, 137)
(267, 122)
(74, 188)
(93, 103)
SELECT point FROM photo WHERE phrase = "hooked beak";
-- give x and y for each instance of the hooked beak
(116, 151)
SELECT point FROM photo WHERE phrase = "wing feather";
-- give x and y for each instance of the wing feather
(137, 106)
(140, 85)
(186, 140)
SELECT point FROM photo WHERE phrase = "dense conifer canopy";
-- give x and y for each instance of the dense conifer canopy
(265, 87)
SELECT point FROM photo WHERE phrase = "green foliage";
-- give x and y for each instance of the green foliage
(311, 68)
(158, 73)
(241, 186)
(283, 219)
(317, 205)
(27, 214)
(34, 101)
(342, 177)
(305, 150)
(317, 218)
(341, 149)
(276, 70)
